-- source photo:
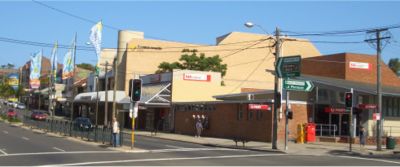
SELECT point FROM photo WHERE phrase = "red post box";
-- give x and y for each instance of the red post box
(310, 130)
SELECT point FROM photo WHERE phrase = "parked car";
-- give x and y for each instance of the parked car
(82, 123)
(21, 106)
(11, 113)
(38, 115)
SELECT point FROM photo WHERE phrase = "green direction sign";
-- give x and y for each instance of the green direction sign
(289, 66)
(298, 85)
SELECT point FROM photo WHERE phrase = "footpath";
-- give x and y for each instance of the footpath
(314, 148)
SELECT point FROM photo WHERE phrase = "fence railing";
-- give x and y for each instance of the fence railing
(326, 130)
(67, 128)
(391, 130)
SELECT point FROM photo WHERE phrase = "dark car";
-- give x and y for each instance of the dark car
(11, 113)
(82, 123)
(38, 115)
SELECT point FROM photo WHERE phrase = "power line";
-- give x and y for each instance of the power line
(254, 70)
(341, 32)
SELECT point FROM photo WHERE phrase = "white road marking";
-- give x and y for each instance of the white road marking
(50, 153)
(194, 149)
(370, 159)
(165, 159)
(25, 138)
(59, 149)
(173, 146)
(3, 152)
(5, 132)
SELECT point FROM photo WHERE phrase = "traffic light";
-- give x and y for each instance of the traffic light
(290, 114)
(135, 89)
(348, 97)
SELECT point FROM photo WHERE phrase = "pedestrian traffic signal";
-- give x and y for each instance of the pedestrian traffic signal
(290, 114)
(278, 100)
(348, 99)
(135, 89)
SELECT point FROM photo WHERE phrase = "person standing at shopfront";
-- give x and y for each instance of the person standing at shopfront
(115, 134)
(362, 137)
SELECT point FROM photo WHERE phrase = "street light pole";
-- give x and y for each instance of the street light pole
(276, 83)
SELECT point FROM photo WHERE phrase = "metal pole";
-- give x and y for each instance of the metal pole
(97, 99)
(287, 119)
(72, 80)
(379, 91)
(133, 129)
(106, 94)
(351, 124)
(275, 121)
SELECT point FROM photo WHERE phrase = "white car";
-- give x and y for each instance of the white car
(21, 106)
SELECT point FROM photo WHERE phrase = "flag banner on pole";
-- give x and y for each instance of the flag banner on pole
(95, 38)
(68, 68)
(54, 63)
(35, 68)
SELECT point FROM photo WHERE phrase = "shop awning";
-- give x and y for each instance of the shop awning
(154, 94)
(91, 97)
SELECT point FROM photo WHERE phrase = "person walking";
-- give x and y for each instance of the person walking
(115, 132)
(362, 137)
(199, 128)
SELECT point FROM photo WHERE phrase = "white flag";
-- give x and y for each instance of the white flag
(95, 38)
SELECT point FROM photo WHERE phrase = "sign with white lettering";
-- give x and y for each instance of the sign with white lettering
(359, 65)
(197, 77)
(259, 107)
(376, 116)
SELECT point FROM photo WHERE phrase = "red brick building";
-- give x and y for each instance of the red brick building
(332, 75)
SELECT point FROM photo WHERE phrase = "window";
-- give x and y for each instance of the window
(390, 106)
(239, 112)
(323, 95)
(249, 115)
(259, 115)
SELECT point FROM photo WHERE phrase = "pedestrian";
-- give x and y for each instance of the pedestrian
(199, 128)
(115, 132)
(362, 137)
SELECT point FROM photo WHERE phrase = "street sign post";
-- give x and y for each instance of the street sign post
(288, 66)
(298, 85)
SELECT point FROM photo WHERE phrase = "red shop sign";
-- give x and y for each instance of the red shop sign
(334, 110)
(367, 106)
(259, 107)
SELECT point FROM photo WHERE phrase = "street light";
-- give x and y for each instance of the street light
(276, 82)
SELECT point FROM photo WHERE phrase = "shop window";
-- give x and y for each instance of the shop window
(259, 115)
(397, 106)
(384, 106)
(239, 113)
(323, 95)
(390, 107)
(249, 115)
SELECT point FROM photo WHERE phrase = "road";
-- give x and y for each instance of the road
(19, 146)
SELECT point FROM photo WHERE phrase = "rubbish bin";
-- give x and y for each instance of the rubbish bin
(390, 142)
(310, 132)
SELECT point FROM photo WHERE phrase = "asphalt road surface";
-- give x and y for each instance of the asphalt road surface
(20, 146)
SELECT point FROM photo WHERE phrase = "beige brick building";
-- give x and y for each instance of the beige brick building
(247, 56)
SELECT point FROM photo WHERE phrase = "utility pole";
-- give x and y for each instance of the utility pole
(276, 82)
(378, 39)
(97, 99)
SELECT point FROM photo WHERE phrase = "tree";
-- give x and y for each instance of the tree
(190, 61)
(86, 66)
(6, 91)
(394, 64)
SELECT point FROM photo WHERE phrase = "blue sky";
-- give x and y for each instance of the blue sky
(194, 22)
